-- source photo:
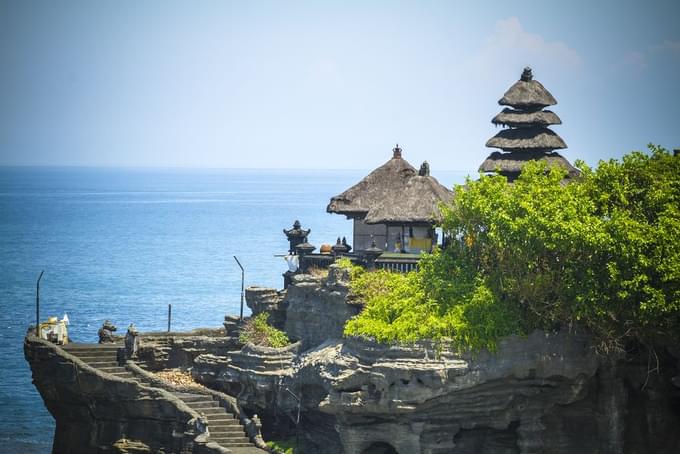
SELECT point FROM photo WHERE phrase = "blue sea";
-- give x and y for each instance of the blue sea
(122, 244)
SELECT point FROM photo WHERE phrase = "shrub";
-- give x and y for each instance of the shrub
(258, 331)
(602, 251)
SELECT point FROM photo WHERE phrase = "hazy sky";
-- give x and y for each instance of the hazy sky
(325, 84)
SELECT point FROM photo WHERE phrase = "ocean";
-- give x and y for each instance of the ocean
(122, 244)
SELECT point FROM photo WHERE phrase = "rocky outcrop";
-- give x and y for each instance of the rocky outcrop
(548, 392)
(254, 373)
(312, 310)
(97, 412)
(159, 351)
(270, 301)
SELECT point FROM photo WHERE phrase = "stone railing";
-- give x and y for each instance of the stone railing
(95, 409)
(250, 425)
(398, 263)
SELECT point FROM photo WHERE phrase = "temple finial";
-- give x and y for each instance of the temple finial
(396, 152)
(526, 74)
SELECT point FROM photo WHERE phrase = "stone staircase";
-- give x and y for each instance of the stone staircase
(225, 429)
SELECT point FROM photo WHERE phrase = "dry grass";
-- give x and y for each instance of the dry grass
(317, 272)
(177, 377)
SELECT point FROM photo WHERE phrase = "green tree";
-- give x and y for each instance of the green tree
(602, 252)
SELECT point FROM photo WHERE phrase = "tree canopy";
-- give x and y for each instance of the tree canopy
(602, 252)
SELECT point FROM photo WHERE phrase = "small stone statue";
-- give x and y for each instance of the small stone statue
(344, 243)
(131, 341)
(106, 332)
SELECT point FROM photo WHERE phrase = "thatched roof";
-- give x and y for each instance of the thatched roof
(417, 202)
(511, 163)
(522, 118)
(527, 93)
(394, 192)
(526, 139)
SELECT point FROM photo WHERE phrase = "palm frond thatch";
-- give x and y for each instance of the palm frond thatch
(527, 139)
(512, 163)
(392, 193)
(527, 94)
(522, 118)
(418, 202)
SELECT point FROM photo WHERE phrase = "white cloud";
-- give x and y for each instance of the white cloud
(512, 47)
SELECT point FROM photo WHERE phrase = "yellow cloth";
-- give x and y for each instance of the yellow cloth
(420, 243)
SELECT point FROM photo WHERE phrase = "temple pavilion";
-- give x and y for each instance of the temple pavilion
(526, 135)
(395, 206)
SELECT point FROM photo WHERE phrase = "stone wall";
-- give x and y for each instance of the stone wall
(312, 310)
(548, 392)
(100, 413)
(159, 351)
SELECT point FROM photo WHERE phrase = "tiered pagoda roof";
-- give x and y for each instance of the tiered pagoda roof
(527, 136)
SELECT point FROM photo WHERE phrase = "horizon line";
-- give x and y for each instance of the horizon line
(151, 167)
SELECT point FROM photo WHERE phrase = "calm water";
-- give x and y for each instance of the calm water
(123, 244)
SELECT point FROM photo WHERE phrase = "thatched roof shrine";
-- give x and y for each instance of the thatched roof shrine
(512, 163)
(519, 118)
(527, 139)
(393, 193)
(527, 94)
(528, 136)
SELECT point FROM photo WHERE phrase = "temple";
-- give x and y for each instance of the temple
(395, 206)
(528, 136)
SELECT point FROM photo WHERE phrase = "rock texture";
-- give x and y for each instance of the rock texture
(312, 310)
(546, 393)
(269, 300)
(97, 412)
(159, 351)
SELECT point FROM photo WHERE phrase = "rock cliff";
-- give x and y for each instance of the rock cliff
(97, 412)
(546, 393)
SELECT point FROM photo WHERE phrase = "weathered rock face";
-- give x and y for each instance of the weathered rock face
(100, 413)
(317, 308)
(172, 350)
(312, 309)
(270, 301)
(546, 393)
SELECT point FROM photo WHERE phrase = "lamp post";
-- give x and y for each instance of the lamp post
(242, 285)
(37, 305)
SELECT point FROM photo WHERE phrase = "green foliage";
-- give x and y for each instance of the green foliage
(603, 252)
(400, 308)
(346, 263)
(284, 446)
(258, 331)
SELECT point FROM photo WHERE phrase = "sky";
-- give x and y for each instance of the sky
(325, 85)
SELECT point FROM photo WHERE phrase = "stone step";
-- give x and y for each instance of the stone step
(123, 374)
(227, 421)
(228, 430)
(202, 404)
(102, 363)
(93, 358)
(214, 410)
(85, 346)
(112, 369)
(93, 351)
(229, 442)
(187, 397)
